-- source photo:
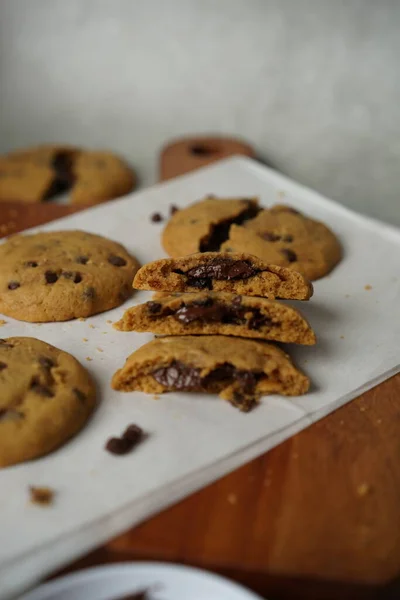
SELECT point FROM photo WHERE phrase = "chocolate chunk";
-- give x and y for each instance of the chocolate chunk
(117, 261)
(133, 433)
(219, 233)
(156, 217)
(10, 414)
(243, 403)
(119, 446)
(63, 175)
(45, 362)
(222, 269)
(203, 313)
(82, 260)
(270, 237)
(74, 276)
(153, 307)
(173, 209)
(3, 366)
(13, 285)
(287, 238)
(31, 263)
(80, 395)
(178, 376)
(89, 293)
(50, 277)
(40, 389)
(289, 254)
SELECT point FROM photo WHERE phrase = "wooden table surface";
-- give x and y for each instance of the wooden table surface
(318, 517)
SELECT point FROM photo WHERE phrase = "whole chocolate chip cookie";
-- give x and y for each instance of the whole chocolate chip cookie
(221, 313)
(46, 396)
(283, 236)
(238, 273)
(237, 369)
(63, 275)
(204, 225)
(39, 173)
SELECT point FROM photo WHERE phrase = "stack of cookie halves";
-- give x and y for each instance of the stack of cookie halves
(213, 312)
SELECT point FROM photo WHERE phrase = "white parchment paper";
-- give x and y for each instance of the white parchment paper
(192, 439)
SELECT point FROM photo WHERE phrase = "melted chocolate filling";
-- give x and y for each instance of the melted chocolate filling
(218, 269)
(208, 311)
(63, 175)
(183, 378)
(219, 233)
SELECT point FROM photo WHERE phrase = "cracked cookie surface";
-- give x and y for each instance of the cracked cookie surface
(61, 275)
(46, 396)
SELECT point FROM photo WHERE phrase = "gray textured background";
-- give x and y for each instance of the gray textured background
(314, 84)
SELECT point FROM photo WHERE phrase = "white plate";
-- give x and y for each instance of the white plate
(193, 439)
(164, 582)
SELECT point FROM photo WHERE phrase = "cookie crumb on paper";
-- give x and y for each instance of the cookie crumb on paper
(43, 496)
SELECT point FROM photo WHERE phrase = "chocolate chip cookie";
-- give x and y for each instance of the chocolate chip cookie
(39, 173)
(63, 275)
(238, 273)
(239, 370)
(283, 236)
(204, 225)
(46, 397)
(221, 313)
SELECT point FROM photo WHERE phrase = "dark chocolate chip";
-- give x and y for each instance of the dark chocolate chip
(289, 254)
(74, 276)
(13, 285)
(89, 293)
(153, 307)
(202, 313)
(40, 389)
(133, 433)
(156, 217)
(51, 277)
(270, 237)
(82, 260)
(31, 263)
(287, 238)
(173, 209)
(3, 366)
(117, 261)
(9, 414)
(219, 233)
(223, 269)
(45, 362)
(119, 446)
(80, 395)
(202, 150)
(178, 376)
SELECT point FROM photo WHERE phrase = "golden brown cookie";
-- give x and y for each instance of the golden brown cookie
(238, 273)
(239, 370)
(204, 225)
(41, 172)
(211, 313)
(46, 397)
(283, 236)
(62, 275)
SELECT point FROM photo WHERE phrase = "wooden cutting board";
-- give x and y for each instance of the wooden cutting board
(318, 517)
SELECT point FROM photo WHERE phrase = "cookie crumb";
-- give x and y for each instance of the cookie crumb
(41, 495)
(232, 499)
(342, 337)
(88, 358)
(367, 287)
(81, 319)
(108, 321)
(99, 349)
(92, 326)
(363, 489)
(131, 437)
(173, 209)
(2, 322)
(156, 397)
(281, 194)
(156, 217)
(104, 332)
(85, 340)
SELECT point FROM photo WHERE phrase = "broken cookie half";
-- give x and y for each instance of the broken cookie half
(239, 370)
(238, 273)
(223, 313)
